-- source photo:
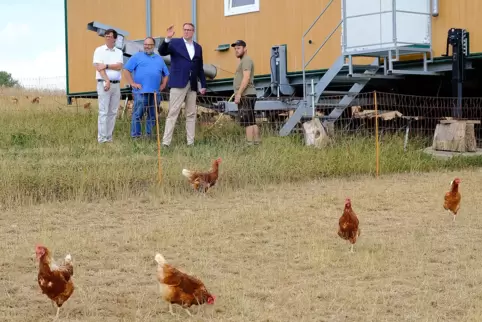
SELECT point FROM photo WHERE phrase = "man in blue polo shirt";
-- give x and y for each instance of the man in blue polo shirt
(150, 75)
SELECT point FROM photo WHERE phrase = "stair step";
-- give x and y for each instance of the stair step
(413, 72)
(371, 76)
(339, 93)
(364, 67)
(336, 105)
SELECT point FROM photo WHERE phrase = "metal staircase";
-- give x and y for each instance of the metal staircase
(344, 64)
(357, 82)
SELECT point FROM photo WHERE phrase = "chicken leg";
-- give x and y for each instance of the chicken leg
(174, 314)
(451, 213)
(57, 315)
(170, 309)
(351, 248)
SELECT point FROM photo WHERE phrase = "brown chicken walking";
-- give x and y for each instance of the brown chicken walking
(452, 198)
(202, 181)
(348, 224)
(180, 288)
(54, 280)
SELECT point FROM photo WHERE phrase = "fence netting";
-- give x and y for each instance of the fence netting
(397, 114)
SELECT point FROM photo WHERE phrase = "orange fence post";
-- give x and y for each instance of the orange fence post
(377, 143)
(158, 140)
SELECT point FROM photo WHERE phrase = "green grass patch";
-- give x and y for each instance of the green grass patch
(54, 156)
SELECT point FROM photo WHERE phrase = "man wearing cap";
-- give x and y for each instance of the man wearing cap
(245, 92)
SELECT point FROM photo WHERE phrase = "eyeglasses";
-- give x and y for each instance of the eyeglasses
(148, 44)
(188, 30)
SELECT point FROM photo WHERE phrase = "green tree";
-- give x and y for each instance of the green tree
(7, 80)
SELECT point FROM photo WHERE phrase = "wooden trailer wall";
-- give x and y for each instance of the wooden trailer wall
(277, 22)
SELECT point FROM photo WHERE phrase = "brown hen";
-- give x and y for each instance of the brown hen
(452, 198)
(202, 181)
(179, 288)
(348, 225)
(54, 280)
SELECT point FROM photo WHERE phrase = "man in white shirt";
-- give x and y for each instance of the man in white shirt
(108, 61)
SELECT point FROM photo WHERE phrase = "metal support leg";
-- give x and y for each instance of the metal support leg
(313, 108)
(390, 62)
(294, 119)
(459, 40)
(350, 65)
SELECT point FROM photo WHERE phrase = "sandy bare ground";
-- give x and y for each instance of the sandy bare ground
(270, 255)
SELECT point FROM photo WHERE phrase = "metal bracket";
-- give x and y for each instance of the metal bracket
(100, 29)
(260, 106)
(279, 70)
(459, 40)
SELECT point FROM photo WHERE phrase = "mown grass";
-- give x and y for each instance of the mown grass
(269, 254)
(50, 153)
(268, 251)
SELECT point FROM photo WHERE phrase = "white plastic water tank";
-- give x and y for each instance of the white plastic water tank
(381, 25)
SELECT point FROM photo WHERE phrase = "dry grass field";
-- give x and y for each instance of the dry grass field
(264, 240)
(268, 253)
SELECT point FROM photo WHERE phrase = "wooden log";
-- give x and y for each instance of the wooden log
(470, 141)
(315, 134)
(449, 137)
(455, 136)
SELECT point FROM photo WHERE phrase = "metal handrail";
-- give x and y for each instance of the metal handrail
(303, 46)
(323, 43)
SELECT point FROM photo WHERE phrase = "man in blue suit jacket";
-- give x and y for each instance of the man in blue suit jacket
(186, 68)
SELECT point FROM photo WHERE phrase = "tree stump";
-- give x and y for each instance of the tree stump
(315, 134)
(455, 136)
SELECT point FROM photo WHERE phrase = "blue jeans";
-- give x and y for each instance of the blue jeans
(144, 102)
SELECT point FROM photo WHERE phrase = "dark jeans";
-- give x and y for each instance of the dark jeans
(144, 102)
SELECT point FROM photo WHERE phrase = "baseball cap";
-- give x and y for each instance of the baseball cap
(238, 43)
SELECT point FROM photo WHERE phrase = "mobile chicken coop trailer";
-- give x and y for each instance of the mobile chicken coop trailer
(342, 47)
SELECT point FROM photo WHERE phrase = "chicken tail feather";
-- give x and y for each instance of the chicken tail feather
(160, 259)
(187, 173)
